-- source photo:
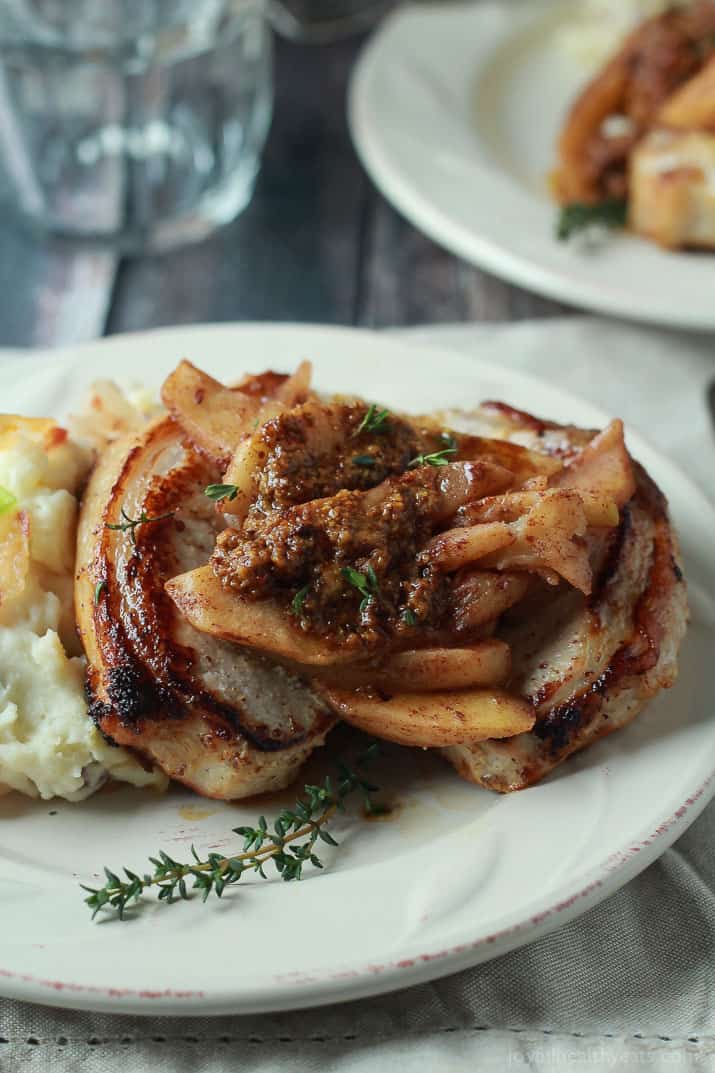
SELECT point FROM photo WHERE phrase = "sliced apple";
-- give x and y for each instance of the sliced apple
(429, 720)
(458, 547)
(603, 468)
(259, 624)
(481, 596)
(214, 417)
(428, 670)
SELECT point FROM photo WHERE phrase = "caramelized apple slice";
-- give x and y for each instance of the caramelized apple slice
(428, 720)
(481, 596)
(522, 463)
(550, 540)
(241, 476)
(602, 468)
(458, 547)
(454, 484)
(259, 624)
(296, 388)
(214, 417)
(427, 670)
(599, 509)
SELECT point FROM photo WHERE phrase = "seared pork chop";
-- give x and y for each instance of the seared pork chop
(222, 720)
(588, 663)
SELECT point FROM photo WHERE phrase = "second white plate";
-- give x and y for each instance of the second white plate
(454, 110)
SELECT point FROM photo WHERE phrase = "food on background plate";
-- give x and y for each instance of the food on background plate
(638, 145)
(595, 28)
(256, 563)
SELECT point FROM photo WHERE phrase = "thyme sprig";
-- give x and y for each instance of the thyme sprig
(579, 216)
(289, 845)
(131, 525)
(299, 599)
(437, 458)
(366, 584)
(373, 421)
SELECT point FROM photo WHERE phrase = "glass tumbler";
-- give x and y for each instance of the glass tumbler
(136, 123)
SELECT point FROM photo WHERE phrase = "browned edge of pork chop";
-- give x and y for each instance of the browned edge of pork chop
(223, 721)
(588, 664)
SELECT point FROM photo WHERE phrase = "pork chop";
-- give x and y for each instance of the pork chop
(588, 664)
(224, 721)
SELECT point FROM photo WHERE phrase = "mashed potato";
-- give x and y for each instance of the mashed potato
(598, 27)
(48, 746)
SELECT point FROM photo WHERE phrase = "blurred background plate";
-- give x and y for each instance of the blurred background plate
(456, 875)
(455, 109)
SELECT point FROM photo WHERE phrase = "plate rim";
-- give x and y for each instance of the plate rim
(446, 230)
(343, 983)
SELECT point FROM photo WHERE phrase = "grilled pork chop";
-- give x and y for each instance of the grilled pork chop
(589, 664)
(223, 721)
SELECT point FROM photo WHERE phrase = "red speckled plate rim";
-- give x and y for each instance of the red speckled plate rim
(304, 987)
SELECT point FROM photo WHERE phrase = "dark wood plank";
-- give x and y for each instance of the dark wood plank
(53, 292)
(408, 279)
(318, 243)
(293, 254)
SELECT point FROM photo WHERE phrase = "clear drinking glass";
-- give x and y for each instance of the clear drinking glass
(138, 123)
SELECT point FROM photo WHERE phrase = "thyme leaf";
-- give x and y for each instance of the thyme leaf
(437, 458)
(98, 590)
(363, 460)
(289, 845)
(131, 525)
(373, 421)
(366, 584)
(299, 599)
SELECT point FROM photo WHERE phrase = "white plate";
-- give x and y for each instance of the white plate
(454, 110)
(456, 876)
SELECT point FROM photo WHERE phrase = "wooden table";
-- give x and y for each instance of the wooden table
(317, 243)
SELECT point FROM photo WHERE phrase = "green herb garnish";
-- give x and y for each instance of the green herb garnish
(409, 617)
(579, 216)
(364, 460)
(98, 590)
(298, 600)
(221, 491)
(7, 500)
(304, 824)
(366, 584)
(437, 458)
(374, 420)
(131, 525)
